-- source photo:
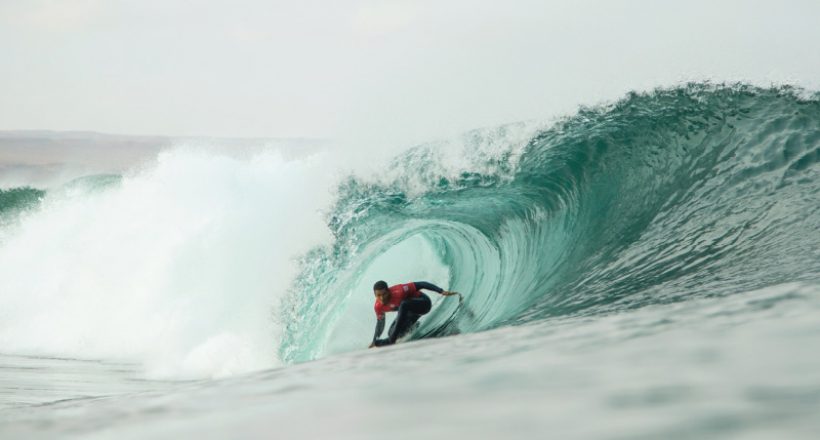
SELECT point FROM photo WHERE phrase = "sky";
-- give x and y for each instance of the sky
(374, 71)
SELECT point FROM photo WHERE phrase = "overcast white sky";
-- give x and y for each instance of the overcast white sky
(373, 70)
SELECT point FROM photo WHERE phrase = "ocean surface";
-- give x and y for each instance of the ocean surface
(639, 270)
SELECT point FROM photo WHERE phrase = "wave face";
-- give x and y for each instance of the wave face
(662, 197)
(203, 264)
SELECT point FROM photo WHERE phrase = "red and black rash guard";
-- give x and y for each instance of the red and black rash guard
(399, 293)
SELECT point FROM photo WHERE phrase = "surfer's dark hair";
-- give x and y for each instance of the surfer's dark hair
(380, 285)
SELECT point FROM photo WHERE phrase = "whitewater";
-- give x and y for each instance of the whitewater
(648, 268)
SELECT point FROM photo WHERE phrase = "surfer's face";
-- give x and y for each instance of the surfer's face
(382, 296)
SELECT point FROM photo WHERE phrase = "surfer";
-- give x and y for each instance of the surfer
(408, 301)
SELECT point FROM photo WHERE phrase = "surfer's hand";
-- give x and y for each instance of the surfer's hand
(372, 344)
(448, 293)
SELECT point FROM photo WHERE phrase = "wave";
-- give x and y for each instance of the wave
(19, 199)
(204, 264)
(694, 191)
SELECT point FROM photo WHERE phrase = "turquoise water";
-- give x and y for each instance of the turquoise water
(646, 269)
(663, 197)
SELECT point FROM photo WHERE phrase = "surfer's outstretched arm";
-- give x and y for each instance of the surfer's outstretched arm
(433, 287)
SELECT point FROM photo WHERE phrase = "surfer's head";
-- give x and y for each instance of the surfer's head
(381, 292)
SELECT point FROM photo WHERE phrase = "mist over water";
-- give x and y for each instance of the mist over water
(179, 265)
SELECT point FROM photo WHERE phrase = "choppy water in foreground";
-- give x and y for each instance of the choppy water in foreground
(648, 269)
(742, 366)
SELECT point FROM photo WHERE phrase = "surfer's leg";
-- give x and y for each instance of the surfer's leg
(419, 305)
(409, 312)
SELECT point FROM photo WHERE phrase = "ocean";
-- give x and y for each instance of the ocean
(648, 268)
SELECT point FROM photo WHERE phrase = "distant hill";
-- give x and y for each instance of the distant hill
(42, 158)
